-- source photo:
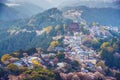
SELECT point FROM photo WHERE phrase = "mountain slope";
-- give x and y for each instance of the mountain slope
(28, 33)
(8, 13)
(105, 16)
(38, 30)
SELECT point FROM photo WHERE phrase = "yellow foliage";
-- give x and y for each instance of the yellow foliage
(17, 59)
(48, 29)
(16, 53)
(23, 69)
(101, 63)
(5, 57)
(93, 61)
(12, 67)
(35, 62)
(54, 43)
(105, 44)
(100, 52)
(110, 49)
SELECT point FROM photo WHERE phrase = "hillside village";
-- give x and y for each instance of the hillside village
(76, 52)
(74, 57)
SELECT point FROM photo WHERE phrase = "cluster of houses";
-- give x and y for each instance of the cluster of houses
(76, 51)
(99, 32)
(116, 29)
(42, 60)
(73, 48)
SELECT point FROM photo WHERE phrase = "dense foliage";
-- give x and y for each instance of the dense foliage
(39, 74)
(110, 52)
